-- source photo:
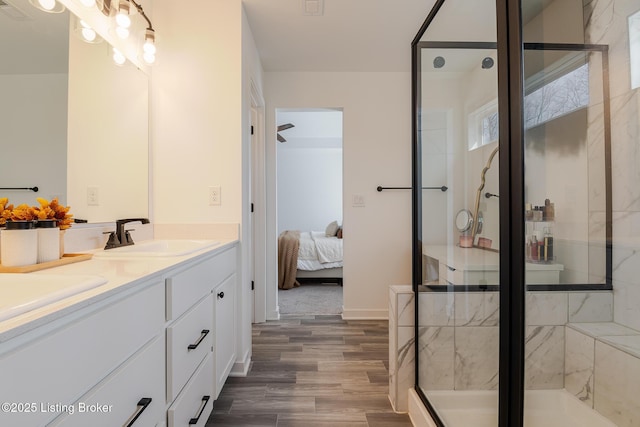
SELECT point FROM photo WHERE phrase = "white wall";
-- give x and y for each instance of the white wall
(34, 136)
(197, 111)
(376, 151)
(309, 187)
(200, 116)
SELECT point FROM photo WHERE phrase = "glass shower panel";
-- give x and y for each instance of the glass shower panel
(458, 301)
(565, 168)
(582, 169)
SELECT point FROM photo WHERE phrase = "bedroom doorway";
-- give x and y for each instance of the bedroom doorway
(309, 168)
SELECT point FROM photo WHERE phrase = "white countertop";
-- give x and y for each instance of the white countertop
(474, 259)
(121, 274)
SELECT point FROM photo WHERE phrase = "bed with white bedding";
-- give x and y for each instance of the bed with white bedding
(319, 257)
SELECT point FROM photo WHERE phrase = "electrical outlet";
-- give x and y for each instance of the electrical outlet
(93, 196)
(215, 198)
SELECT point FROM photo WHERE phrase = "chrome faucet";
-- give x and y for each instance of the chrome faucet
(122, 237)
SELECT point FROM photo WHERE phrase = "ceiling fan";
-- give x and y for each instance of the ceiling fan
(281, 128)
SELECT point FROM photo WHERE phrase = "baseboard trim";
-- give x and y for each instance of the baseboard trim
(360, 314)
(274, 314)
(417, 412)
(241, 368)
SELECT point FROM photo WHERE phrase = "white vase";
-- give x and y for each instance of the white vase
(19, 244)
(48, 241)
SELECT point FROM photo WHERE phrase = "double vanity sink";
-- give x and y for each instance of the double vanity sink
(21, 293)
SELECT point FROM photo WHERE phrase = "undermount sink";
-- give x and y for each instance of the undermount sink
(158, 248)
(20, 293)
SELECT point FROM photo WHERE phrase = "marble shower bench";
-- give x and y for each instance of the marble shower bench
(601, 362)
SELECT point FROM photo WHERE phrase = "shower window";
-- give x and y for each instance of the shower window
(483, 125)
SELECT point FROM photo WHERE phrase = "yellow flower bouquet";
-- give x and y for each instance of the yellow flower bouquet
(5, 210)
(53, 210)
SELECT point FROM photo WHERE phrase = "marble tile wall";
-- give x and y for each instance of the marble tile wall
(616, 385)
(606, 22)
(401, 346)
(459, 340)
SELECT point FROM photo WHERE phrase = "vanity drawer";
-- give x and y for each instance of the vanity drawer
(451, 275)
(187, 287)
(64, 364)
(196, 400)
(189, 341)
(124, 393)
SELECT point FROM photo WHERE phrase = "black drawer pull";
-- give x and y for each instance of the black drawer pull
(203, 334)
(141, 406)
(205, 399)
(220, 294)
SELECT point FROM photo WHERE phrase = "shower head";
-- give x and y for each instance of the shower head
(487, 63)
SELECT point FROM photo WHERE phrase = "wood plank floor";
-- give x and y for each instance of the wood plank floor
(312, 371)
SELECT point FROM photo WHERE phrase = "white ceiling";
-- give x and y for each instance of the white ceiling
(351, 35)
(364, 35)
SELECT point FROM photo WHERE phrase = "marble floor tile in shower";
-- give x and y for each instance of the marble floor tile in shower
(312, 371)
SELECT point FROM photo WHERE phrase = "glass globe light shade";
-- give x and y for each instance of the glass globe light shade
(47, 4)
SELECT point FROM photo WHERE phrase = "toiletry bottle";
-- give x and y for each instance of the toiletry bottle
(527, 249)
(541, 253)
(534, 248)
(548, 245)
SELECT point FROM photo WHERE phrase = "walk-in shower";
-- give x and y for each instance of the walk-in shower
(530, 315)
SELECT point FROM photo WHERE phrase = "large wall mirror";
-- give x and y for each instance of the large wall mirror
(74, 124)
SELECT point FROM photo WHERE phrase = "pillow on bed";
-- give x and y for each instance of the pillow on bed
(332, 229)
(339, 234)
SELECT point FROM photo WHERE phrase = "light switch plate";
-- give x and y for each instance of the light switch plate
(358, 201)
(93, 196)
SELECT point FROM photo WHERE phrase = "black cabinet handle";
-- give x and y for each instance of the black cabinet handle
(205, 399)
(203, 334)
(220, 294)
(141, 406)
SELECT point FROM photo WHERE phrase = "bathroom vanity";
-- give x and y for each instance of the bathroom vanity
(453, 265)
(152, 346)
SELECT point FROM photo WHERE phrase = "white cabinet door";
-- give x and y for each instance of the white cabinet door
(225, 327)
(131, 396)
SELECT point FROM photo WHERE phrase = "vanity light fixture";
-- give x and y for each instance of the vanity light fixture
(121, 9)
(49, 6)
(123, 19)
(149, 46)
